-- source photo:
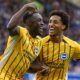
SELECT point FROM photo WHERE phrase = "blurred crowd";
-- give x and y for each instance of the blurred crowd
(9, 7)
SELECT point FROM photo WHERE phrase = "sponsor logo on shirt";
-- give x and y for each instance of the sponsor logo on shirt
(55, 65)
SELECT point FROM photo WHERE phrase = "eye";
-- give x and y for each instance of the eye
(50, 21)
(56, 22)
(39, 19)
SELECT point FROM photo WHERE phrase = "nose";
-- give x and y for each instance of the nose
(42, 23)
(50, 26)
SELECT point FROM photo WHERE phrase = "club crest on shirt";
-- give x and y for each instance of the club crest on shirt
(64, 56)
(36, 51)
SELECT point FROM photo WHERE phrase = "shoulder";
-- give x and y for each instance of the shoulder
(71, 42)
(38, 37)
(23, 30)
(45, 39)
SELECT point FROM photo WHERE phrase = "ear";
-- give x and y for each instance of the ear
(29, 22)
(63, 27)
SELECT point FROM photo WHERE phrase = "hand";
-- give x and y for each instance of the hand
(44, 71)
(37, 67)
(30, 7)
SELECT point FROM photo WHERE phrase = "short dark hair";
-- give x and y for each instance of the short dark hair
(64, 17)
(28, 15)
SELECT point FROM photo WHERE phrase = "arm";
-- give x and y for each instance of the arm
(37, 67)
(13, 23)
(76, 54)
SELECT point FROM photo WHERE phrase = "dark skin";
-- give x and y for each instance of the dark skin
(37, 21)
(14, 21)
(56, 29)
(38, 67)
(34, 25)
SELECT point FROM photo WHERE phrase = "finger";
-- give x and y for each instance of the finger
(46, 67)
(32, 5)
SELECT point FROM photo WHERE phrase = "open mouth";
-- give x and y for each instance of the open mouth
(41, 30)
(51, 30)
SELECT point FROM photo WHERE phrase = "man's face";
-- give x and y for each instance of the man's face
(55, 25)
(38, 24)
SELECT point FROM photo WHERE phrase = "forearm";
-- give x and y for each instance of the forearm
(36, 66)
(15, 18)
(14, 21)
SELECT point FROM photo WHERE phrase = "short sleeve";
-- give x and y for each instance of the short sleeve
(76, 54)
(22, 31)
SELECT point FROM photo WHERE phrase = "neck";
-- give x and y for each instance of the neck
(57, 38)
(33, 34)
